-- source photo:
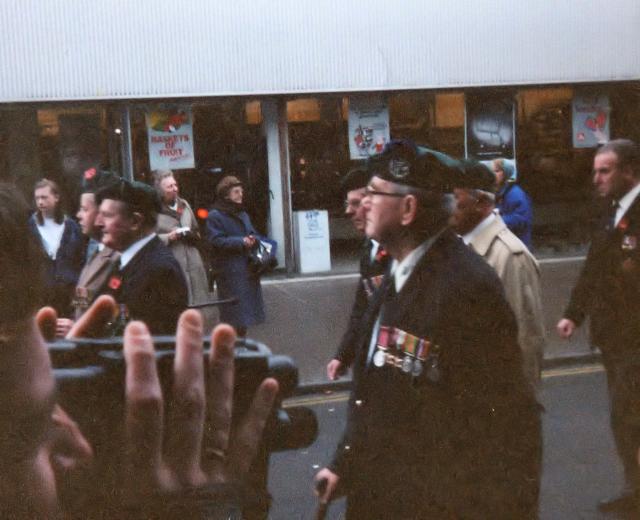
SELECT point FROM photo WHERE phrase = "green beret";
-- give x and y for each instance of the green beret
(137, 195)
(94, 179)
(403, 162)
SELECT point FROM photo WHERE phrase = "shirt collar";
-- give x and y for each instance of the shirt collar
(131, 251)
(485, 223)
(401, 271)
(625, 202)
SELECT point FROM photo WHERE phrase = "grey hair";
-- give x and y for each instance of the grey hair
(158, 177)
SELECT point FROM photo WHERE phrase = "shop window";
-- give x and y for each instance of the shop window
(227, 138)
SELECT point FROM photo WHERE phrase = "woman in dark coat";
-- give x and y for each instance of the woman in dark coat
(231, 235)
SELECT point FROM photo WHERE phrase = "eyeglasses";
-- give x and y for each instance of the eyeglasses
(368, 192)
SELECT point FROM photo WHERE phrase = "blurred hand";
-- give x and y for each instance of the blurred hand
(149, 470)
(565, 328)
(336, 369)
(326, 485)
(249, 241)
(63, 326)
(173, 236)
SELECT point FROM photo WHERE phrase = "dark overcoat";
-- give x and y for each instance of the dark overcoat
(371, 274)
(608, 293)
(460, 437)
(152, 287)
(230, 263)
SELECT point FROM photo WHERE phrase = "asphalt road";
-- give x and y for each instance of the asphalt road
(307, 316)
(580, 465)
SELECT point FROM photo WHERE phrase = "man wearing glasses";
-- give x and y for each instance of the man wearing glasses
(374, 261)
(442, 423)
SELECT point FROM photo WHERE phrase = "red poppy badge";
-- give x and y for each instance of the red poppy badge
(115, 282)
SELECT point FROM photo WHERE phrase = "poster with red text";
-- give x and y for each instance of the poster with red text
(170, 131)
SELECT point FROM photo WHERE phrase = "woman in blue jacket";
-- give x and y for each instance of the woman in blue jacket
(231, 235)
(512, 202)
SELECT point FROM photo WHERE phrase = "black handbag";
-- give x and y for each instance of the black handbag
(262, 256)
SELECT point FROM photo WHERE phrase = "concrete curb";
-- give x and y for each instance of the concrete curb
(584, 358)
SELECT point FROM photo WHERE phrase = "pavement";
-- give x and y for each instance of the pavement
(307, 315)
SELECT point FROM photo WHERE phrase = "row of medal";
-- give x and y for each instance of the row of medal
(409, 353)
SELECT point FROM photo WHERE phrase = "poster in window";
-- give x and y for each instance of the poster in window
(490, 126)
(170, 133)
(368, 126)
(591, 115)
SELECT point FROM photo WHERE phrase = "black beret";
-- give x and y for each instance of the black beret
(355, 179)
(95, 179)
(403, 162)
(476, 176)
(137, 195)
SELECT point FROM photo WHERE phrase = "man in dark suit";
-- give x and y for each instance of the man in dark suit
(147, 279)
(374, 261)
(608, 292)
(442, 423)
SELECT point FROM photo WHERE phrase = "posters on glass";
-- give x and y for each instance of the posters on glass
(368, 126)
(490, 126)
(591, 111)
(170, 133)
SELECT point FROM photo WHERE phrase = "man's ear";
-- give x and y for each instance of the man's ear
(136, 221)
(409, 209)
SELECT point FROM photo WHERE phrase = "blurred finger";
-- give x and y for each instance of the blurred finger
(220, 388)
(188, 406)
(93, 322)
(245, 443)
(46, 320)
(144, 406)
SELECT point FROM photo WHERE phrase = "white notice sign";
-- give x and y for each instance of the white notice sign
(312, 241)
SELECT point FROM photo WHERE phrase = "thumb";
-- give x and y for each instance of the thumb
(46, 322)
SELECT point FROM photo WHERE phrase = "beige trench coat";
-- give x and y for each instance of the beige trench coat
(520, 274)
(186, 254)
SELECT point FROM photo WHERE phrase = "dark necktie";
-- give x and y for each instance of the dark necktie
(611, 222)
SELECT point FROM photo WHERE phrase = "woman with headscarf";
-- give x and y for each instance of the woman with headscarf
(232, 236)
(512, 202)
(177, 228)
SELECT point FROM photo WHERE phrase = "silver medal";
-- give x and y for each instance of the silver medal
(407, 365)
(417, 368)
(380, 358)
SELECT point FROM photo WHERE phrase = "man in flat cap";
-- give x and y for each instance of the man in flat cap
(476, 220)
(147, 279)
(442, 422)
(374, 261)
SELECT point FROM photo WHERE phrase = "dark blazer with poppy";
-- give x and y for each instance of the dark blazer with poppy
(608, 289)
(153, 288)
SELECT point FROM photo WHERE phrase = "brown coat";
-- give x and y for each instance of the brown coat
(93, 277)
(185, 252)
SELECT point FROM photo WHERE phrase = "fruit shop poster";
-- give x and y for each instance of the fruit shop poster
(170, 133)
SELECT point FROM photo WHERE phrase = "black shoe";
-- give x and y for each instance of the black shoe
(621, 504)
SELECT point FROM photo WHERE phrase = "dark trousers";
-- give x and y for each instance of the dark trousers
(623, 379)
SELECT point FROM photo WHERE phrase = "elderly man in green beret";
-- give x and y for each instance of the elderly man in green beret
(147, 281)
(442, 423)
